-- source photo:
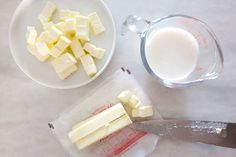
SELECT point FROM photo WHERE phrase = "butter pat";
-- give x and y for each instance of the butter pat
(47, 12)
(70, 26)
(60, 46)
(89, 65)
(82, 28)
(31, 35)
(64, 65)
(124, 96)
(93, 51)
(40, 56)
(92, 124)
(134, 101)
(113, 126)
(96, 23)
(76, 48)
(98, 53)
(53, 34)
(142, 112)
(42, 48)
(89, 47)
(68, 14)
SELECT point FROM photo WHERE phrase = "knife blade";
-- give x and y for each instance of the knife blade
(208, 132)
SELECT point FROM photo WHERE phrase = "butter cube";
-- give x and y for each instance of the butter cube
(31, 35)
(76, 48)
(82, 28)
(68, 14)
(54, 33)
(89, 65)
(142, 112)
(61, 26)
(68, 72)
(47, 12)
(60, 46)
(82, 21)
(42, 48)
(64, 65)
(96, 23)
(70, 26)
(112, 127)
(98, 53)
(93, 51)
(92, 124)
(82, 33)
(124, 96)
(40, 56)
(47, 25)
(44, 37)
(133, 101)
(89, 47)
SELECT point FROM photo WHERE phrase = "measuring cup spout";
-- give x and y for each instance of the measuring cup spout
(134, 24)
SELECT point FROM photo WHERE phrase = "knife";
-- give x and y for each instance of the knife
(208, 132)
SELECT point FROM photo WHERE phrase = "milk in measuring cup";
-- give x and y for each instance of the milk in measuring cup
(172, 53)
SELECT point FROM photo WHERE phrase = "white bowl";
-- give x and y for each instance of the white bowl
(27, 15)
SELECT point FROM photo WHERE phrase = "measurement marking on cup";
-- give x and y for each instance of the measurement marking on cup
(196, 33)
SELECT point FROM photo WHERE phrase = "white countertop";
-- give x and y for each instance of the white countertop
(26, 107)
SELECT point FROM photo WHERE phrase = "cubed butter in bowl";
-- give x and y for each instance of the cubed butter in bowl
(44, 32)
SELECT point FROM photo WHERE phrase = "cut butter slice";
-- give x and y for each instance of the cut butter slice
(142, 112)
(96, 23)
(41, 57)
(31, 35)
(64, 65)
(96, 122)
(60, 46)
(94, 51)
(104, 131)
(76, 48)
(47, 12)
(124, 96)
(89, 65)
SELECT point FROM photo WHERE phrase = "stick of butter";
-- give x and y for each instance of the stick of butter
(104, 131)
(92, 124)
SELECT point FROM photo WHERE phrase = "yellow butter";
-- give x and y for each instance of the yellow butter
(96, 122)
(89, 65)
(142, 112)
(41, 57)
(96, 23)
(64, 65)
(76, 48)
(124, 96)
(60, 46)
(47, 12)
(31, 35)
(104, 131)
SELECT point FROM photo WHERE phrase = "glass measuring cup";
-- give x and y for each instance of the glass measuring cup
(210, 57)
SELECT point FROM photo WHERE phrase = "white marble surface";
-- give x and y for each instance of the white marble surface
(26, 107)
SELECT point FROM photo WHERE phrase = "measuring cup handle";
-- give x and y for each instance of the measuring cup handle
(134, 24)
